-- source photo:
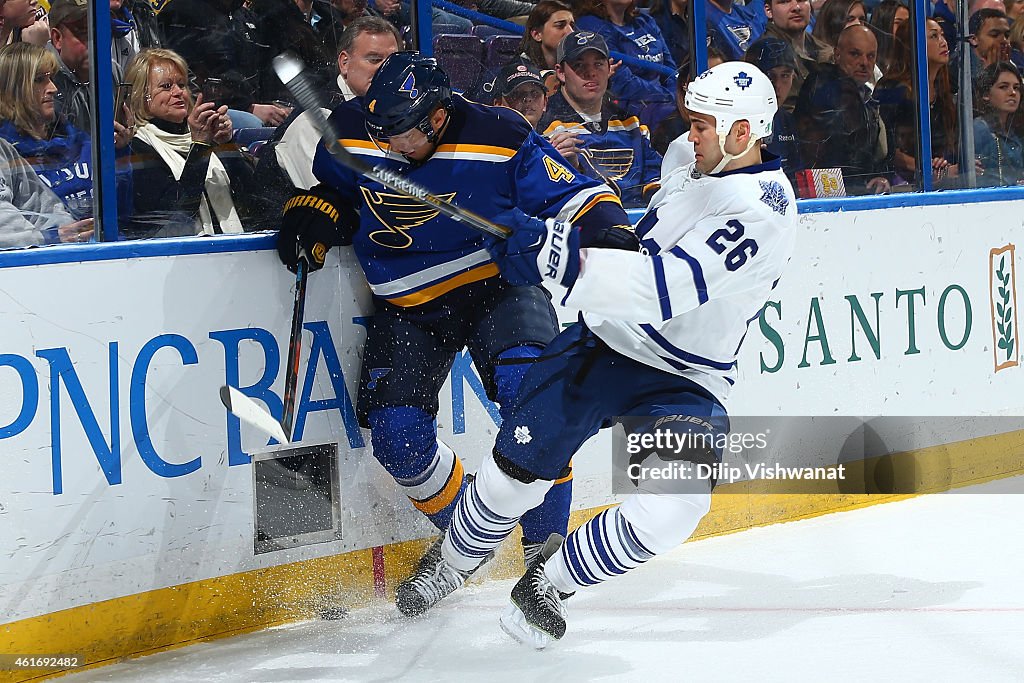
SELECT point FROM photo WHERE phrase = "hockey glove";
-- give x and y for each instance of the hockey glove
(538, 251)
(311, 225)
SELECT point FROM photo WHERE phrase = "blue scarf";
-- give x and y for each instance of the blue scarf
(122, 27)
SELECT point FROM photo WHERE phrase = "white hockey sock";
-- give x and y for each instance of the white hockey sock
(600, 549)
(625, 537)
(486, 513)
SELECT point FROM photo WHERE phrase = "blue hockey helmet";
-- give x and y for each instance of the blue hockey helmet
(404, 92)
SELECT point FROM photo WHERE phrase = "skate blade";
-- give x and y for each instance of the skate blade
(513, 622)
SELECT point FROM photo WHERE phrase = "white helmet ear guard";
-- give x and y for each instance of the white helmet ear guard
(731, 92)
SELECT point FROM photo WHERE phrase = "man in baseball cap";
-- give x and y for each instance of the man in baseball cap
(576, 43)
(521, 87)
(69, 35)
(595, 136)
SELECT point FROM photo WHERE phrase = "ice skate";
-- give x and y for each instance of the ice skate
(536, 616)
(433, 580)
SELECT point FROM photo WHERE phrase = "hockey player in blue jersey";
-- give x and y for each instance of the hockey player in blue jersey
(436, 289)
(659, 339)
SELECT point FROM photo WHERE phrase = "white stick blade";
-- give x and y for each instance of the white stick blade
(252, 413)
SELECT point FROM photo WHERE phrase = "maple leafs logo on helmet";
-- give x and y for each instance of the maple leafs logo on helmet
(734, 91)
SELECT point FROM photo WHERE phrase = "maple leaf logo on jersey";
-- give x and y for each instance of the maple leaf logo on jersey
(398, 214)
(522, 435)
(774, 196)
(742, 80)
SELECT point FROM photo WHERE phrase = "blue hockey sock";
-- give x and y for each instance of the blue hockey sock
(551, 516)
(428, 471)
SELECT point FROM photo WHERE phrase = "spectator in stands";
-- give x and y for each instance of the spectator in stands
(398, 13)
(673, 18)
(989, 31)
(835, 15)
(1014, 8)
(30, 213)
(521, 87)
(23, 21)
(363, 46)
(996, 143)
(69, 35)
(885, 19)
(635, 34)
(221, 39)
(133, 27)
(282, 28)
(547, 24)
(788, 20)
(58, 152)
(325, 20)
(669, 138)
(1017, 43)
(601, 140)
(738, 25)
(776, 59)
(838, 123)
(188, 180)
(896, 95)
(976, 5)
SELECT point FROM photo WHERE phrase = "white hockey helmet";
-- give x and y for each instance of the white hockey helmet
(731, 92)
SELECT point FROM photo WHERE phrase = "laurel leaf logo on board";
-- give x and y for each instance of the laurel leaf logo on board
(1003, 298)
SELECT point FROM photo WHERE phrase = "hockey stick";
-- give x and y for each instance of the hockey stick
(246, 409)
(291, 71)
(294, 345)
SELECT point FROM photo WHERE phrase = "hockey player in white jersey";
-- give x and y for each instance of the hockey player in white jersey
(659, 337)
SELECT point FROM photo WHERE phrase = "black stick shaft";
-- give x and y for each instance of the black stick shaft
(294, 347)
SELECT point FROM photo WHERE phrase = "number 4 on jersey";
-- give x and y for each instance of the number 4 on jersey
(556, 171)
(739, 254)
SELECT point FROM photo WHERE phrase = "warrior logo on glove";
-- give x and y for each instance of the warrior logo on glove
(312, 223)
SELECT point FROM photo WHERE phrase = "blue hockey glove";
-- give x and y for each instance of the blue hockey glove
(538, 251)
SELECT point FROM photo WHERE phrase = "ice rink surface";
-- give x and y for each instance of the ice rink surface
(930, 588)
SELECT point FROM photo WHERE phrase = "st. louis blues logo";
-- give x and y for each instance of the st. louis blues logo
(409, 87)
(398, 214)
(742, 80)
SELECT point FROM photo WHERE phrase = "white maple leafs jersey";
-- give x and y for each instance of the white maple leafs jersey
(714, 247)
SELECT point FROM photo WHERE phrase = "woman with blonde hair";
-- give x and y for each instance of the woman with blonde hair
(58, 152)
(188, 178)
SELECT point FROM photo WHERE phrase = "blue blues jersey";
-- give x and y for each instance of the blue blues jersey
(617, 149)
(739, 28)
(640, 38)
(488, 160)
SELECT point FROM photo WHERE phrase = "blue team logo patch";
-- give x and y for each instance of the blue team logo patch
(409, 87)
(377, 374)
(774, 196)
(742, 80)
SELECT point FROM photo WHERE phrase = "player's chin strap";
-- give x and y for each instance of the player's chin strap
(726, 157)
